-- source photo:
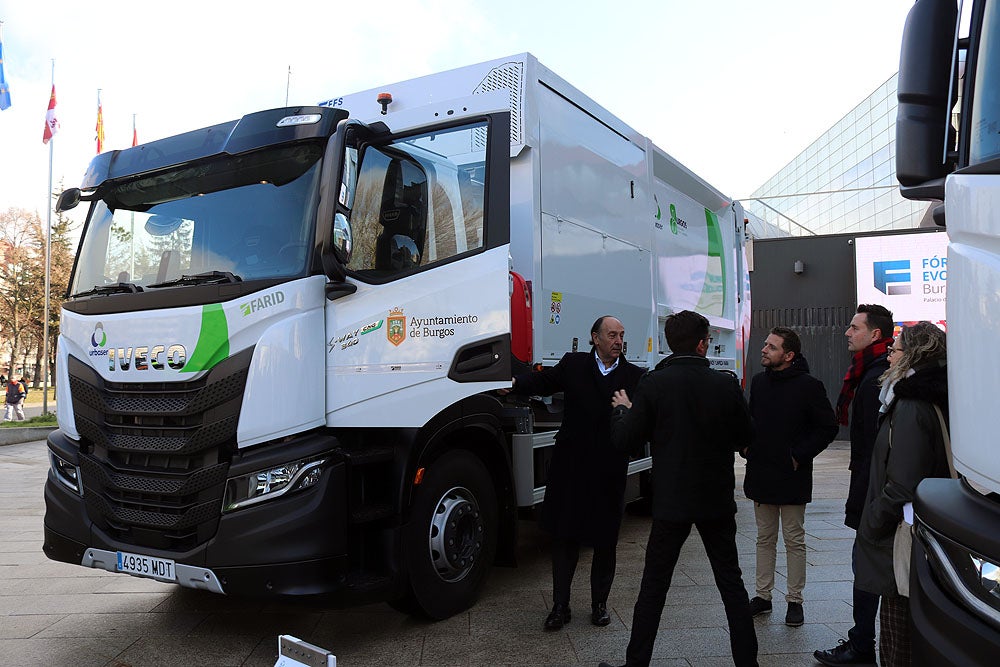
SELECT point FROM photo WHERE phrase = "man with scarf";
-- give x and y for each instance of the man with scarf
(868, 337)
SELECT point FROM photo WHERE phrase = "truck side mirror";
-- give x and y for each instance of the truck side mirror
(68, 199)
(923, 132)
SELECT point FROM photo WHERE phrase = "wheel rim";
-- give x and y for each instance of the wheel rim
(456, 534)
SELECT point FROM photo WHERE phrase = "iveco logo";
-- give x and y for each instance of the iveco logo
(147, 358)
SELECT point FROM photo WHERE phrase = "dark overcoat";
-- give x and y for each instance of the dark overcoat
(585, 488)
(916, 451)
(864, 428)
(792, 417)
(695, 419)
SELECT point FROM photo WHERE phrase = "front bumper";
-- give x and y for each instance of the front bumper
(294, 545)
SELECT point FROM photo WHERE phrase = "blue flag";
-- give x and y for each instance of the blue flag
(4, 90)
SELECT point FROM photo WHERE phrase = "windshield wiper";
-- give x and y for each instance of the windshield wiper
(117, 288)
(202, 279)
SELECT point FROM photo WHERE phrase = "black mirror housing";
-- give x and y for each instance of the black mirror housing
(68, 199)
(923, 122)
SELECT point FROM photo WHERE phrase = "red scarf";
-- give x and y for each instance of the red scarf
(859, 364)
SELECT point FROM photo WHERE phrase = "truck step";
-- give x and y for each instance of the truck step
(362, 581)
(368, 455)
(372, 512)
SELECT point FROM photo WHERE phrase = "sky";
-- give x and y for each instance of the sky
(732, 89)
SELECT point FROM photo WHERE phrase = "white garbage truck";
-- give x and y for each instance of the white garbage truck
(948, 148)
(278, 360)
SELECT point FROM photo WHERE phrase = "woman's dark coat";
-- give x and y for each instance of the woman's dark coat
(792, 417)
(585, 490)
(917, 452)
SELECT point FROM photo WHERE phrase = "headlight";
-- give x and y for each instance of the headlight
(989, 575)
(65, 472)
(271, 483)
(970, 578)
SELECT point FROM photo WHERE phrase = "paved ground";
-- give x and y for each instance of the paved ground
(55, 614)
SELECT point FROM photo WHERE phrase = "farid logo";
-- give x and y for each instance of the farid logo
(98, 339)
(260, 303)
(892, 277)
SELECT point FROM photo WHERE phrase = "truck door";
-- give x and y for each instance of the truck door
(429, 323)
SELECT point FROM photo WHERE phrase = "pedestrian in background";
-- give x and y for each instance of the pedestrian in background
(868, 337)
(793, 422)
(585, 489)
(911, 445)
(695, 419)
(15, 401)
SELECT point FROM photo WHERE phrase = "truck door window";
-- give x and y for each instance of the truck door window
(419, 201)
(984, 128)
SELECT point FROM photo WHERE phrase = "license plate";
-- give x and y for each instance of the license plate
(146, 566)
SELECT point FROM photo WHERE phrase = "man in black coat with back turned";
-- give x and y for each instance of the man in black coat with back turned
(585, 489)
(793, 422)
(695, 419)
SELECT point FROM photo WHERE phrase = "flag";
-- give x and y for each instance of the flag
(135, 137)
(100, 127)
(51, 122)
(4, 89)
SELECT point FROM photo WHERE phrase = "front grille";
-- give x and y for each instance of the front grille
(155, 456)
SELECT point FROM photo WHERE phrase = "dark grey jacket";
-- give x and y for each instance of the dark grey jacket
(917, 451)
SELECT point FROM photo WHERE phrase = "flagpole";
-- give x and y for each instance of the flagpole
(288, 84)
(48, 266)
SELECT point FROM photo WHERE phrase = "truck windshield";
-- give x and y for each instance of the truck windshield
(984, 139)
(252, 215)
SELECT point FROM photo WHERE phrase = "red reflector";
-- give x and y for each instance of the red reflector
(520, 319)
(418, 477)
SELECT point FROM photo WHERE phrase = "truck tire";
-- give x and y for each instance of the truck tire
(451, 538)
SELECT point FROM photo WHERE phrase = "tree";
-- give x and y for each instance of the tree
(61, 265)
(22, 284)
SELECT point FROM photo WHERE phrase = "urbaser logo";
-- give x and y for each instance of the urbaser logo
(892, 277)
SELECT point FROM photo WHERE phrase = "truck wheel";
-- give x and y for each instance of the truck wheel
(452, 535)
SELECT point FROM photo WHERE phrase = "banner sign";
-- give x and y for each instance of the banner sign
(906, 273)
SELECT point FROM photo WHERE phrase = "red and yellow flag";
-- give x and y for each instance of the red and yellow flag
(100, 127)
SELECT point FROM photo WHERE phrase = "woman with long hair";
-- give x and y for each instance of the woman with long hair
(911, 445)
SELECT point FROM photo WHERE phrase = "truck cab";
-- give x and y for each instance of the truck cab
(948, 150)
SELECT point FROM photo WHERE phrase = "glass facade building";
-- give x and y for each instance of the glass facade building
(843, 182)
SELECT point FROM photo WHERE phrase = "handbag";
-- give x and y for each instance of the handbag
(902, 541)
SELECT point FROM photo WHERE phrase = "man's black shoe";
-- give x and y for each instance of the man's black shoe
(845, 654)
(606, 664)
(759, 605)
(599, 615)
(558, 617)
(794, 616)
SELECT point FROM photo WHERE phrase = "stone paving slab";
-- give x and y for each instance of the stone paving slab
(56, 614)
